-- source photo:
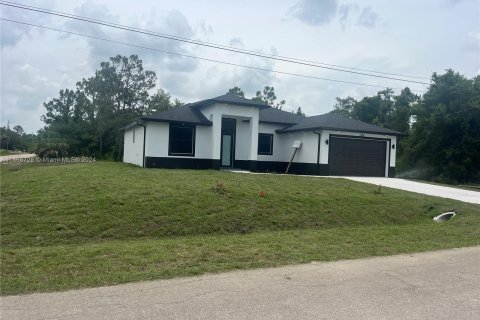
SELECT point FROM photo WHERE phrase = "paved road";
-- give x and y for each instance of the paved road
(424, 188)
(432, 285)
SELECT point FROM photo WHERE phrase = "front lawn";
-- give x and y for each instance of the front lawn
(80, 225)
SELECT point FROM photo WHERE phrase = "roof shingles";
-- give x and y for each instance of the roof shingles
(190, 113)
(231, 99)
(336, 122)
(180, 114)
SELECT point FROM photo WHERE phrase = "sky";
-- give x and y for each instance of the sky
(406, 37)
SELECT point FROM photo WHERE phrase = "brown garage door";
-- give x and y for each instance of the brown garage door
(357, 157)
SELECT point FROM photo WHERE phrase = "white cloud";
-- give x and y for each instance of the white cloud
(12, 33)
(170, 22)
(318, 13)
(37, 64)
(23, 94)
(236, 42)
(214, 79)
(367, 18)
(314, 12)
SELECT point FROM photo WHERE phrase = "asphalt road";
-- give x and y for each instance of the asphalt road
(431, 285)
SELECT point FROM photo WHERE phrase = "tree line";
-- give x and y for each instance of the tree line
(442, 126)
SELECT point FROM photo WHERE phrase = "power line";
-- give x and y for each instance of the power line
(198, 58)
(205, 44)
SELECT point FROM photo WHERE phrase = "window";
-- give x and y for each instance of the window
(133, 140)
(265, 143)
(182, 140)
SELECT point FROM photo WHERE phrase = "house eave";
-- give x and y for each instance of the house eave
(206, 124)
(287, 124)
(398, 134)
(130, 125)
(209, 102)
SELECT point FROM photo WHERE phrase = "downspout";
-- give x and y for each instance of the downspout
(318, 150)
(144, 139)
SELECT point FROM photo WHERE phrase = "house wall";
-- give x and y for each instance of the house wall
(305, 161)
(156, 144)
(279, 147)
(207, 139)
(246, 140)
(243, 136)
(133, 151)
(208, 145)
(158, 140)
(282, 145)
(307, 153)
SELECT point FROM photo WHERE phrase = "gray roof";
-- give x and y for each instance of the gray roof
(180, 114)
(336, 122)
(273, 115)
(190, 113)
(231, 99)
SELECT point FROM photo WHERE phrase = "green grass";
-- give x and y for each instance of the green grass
(82, 225)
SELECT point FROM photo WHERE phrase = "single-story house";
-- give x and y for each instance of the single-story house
(233, 132)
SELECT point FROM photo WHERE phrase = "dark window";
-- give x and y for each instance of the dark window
(133, 135)
(228, 125)
(265, 143)
(182, 140)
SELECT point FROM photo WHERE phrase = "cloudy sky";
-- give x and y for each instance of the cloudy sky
(404, 37)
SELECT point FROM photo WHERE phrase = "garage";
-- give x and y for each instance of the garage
(355, 156)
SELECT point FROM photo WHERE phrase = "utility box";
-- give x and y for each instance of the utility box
(296, 144)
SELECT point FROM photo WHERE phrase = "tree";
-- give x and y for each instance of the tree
(122, 89)
(18, 129)
(384, 109)
(15, 139)
(400, 117)
(268, 96)
(345, 106)
(89, 118)
(160, 101)
(300, 112)
(375, 110)
(236, 91)
(177, 103)
(445, 137)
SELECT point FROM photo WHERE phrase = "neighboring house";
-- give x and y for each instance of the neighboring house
(234, 132)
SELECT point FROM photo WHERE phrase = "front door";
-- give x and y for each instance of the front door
(227, 152)
(227, 149)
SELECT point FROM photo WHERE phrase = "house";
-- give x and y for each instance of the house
(233, 132)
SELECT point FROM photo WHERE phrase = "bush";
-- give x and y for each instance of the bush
(52, 150)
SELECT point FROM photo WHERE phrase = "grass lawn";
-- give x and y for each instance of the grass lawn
(82, 225)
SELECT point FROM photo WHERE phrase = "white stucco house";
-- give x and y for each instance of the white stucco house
(233, 132)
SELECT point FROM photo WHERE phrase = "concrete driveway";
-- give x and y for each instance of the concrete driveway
(424, 188)
(432, 285)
